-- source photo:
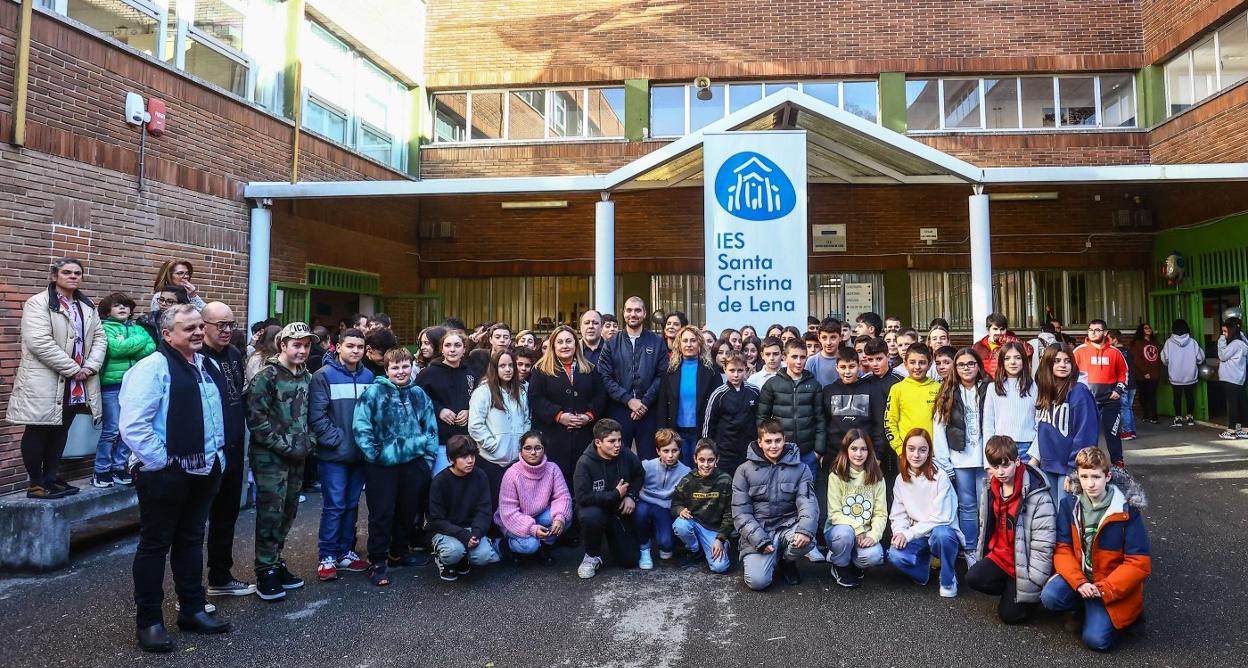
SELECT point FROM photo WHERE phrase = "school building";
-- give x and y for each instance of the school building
(526, 160)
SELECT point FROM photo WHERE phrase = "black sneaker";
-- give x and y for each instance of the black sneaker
(692, 559)
(232, 588)
(445, 572)
(1191, 421)
(843, 577)
(62, 486)
(1178, 422)
(102, 480)
(464, 567)
(544, 557)
(269, 584)
(289, 580)
(855, 572)
(122, 477)
(788, 572)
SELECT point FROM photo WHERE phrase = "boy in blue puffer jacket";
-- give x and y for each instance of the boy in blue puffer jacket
(397, 432)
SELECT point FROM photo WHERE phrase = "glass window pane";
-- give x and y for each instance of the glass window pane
(328, 67)
(328, 122)
(1127, 307)
(1179, 83)
(1087, 300)
(221, 20)
(1001, 103)
(962, 103)
(215, 67)
(922, 105)
(770, 88)
(606, 112)
(704, 112)
(1205, 79)
(1118, 101)
(1233, 51)
(567, 113)
(375, 144)
(862, 99)
(487, 116)
(526, 114)
(829, 92)
(1077, 95)
(376, 95)
(1037, 102)
(118, 20)
(449, 115)
(667, 111)
(742, 95)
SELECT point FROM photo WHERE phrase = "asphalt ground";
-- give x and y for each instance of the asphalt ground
(546, 616)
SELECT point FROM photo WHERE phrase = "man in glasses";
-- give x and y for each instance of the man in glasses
(219, 326)
(1104, 370)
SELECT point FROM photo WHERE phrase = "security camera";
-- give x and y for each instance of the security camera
(703, 84)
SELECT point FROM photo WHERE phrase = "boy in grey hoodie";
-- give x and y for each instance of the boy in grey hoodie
(653, 517)
(1182, 356)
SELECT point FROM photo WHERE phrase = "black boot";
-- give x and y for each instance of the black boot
(203, 623)
(693, 559)
(154, 638)
(788, 571)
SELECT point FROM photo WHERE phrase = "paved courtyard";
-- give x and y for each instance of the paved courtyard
(534, 616)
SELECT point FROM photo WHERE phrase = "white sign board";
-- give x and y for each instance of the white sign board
(755, 218)
(857, 300)
(828, 238)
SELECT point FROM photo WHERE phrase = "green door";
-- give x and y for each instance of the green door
(289, 302)
(411, 313)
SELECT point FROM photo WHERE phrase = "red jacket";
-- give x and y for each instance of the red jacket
(989, 355)
(1102, 368)
(1120, 556)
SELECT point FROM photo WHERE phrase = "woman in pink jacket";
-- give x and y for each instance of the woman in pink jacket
(534, 507)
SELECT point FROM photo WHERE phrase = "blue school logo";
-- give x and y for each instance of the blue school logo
(752, 187)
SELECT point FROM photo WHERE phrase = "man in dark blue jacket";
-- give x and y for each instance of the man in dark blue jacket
(331, 410)
(632, 365)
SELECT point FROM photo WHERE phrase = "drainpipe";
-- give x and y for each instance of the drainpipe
(21, 82)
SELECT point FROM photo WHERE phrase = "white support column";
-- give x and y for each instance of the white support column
(258, 262)
(981, 262)
(604, 255)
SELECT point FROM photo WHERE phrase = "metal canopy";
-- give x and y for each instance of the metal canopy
(841, 148)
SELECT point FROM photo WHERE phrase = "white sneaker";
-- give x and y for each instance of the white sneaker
(971, 559)
(665, 555)
(1229, 434)
(815, 555)
(589, 567)
(950, 591)
(645, 562)
(208, 607)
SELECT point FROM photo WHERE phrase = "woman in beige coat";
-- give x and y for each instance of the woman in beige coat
(63, 348)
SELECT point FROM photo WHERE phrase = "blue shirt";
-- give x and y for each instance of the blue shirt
(144, 403)
(687, 411)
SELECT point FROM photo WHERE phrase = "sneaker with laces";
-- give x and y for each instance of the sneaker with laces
(208, 607)
(352, 562)
(844, 578)
(1190, 421)
(445, 572)
(1120, 465)
(102, 480)
(589, 567)
(971, 559)
(1228, 434)
(377, 574)
(645, 562)
(693, 559)
(232, 588)
(327, 570)
(1128, 436)
(1241, 433)
(269, 584)
(289, 580)
(1178, 422)
(463, 568)
(949, 592)
(122, 477)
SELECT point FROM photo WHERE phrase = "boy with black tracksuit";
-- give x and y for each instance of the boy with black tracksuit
(730, 417)
(607, 485)
(1104, 371)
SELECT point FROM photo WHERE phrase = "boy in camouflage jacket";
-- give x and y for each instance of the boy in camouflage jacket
(277, 415)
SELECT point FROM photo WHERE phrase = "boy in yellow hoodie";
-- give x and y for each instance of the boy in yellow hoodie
(910, 401)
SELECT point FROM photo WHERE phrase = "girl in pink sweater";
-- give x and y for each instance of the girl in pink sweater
(534, 506)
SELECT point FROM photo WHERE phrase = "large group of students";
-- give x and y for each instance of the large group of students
(480, 446)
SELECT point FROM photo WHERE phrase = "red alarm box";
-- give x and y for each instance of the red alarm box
(156, 126)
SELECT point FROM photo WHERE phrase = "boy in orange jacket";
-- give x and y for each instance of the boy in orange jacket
(1102, 557)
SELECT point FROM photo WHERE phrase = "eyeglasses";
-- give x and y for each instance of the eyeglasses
(182, 273)
(223, 325)
(966, 365)
(1095, 330)
(166, 302)
(532, 448)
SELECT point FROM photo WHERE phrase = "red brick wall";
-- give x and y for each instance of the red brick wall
(1170, 25)
(1214, 131)
(517, 41)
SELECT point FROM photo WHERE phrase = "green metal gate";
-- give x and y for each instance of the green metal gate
(289, 302)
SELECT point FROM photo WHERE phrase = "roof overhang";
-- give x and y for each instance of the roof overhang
(841, 148)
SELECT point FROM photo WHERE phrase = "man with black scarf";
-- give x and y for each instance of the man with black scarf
(176, 472)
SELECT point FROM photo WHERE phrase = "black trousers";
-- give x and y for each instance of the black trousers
(222, 517)
(598, 523)
(43, 445)
(173, 506)
(1182, 392)
(1148, 398)
(1236, 405)
(987, 577)
(396, 495)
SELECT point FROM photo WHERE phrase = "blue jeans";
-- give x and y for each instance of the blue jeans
(688, 441)
(760, 567)
(654, 521)
(1098, 629)
(341, 485)
(440, 461)
(697, 537)
(110, 452)
(1057, 487)
(967, 482)
(1128, 415)
(530, 544)
(843, 547)
(915, 559)
(451, 551)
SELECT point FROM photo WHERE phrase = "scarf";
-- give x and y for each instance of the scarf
(184, 434)
(77, 390)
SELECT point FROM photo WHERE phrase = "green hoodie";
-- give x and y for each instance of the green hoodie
(277, 410)
(395, 425)
(708, 499)
(128, 343)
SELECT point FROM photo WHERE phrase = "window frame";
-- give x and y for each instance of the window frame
(185, 29)
(1189, 54)
(1018, 85)
(547, 106)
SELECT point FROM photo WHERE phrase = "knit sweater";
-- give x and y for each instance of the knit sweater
(856, 504)
(921, 505)
(526, 492)
(1012, 415)
(661, 481)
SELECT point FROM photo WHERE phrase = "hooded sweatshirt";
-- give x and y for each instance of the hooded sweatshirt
(595, 479)
(1232, 356)
(708, 499)
(660, 481)
(331, 414)
(1102, 368)
(1065, 429)
(277, 410)
(395, 425)
(1013, 415)
(450, 388)
(496, 431)
(1145, 360)
(526, 492)
(1182, 357)
(909, 406)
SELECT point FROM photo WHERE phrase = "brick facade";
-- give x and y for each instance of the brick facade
(1170, 25)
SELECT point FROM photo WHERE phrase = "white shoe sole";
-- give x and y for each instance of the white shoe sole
(272, 597)
(232, 592)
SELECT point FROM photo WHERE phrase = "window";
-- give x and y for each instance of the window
(567, 113)
(775, 87)
(487, 115)
(1078, 100)
(679, 292)
(526, 114)
(606, 112)
(1036, 100)
(529, 115)
(1213, 65)
(862, 99)
(961, 103)
(214, 66)
(704, 112)
(828, 92)
(376, 145)
(667, 111)
(743, 95)
(1011, 103)
(923, 104)
(221, 20)
(828, 294)
(1001, 104)
(450, 116)
(322, 118)
(538, 303)
(136, 24)
(1118, 101)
